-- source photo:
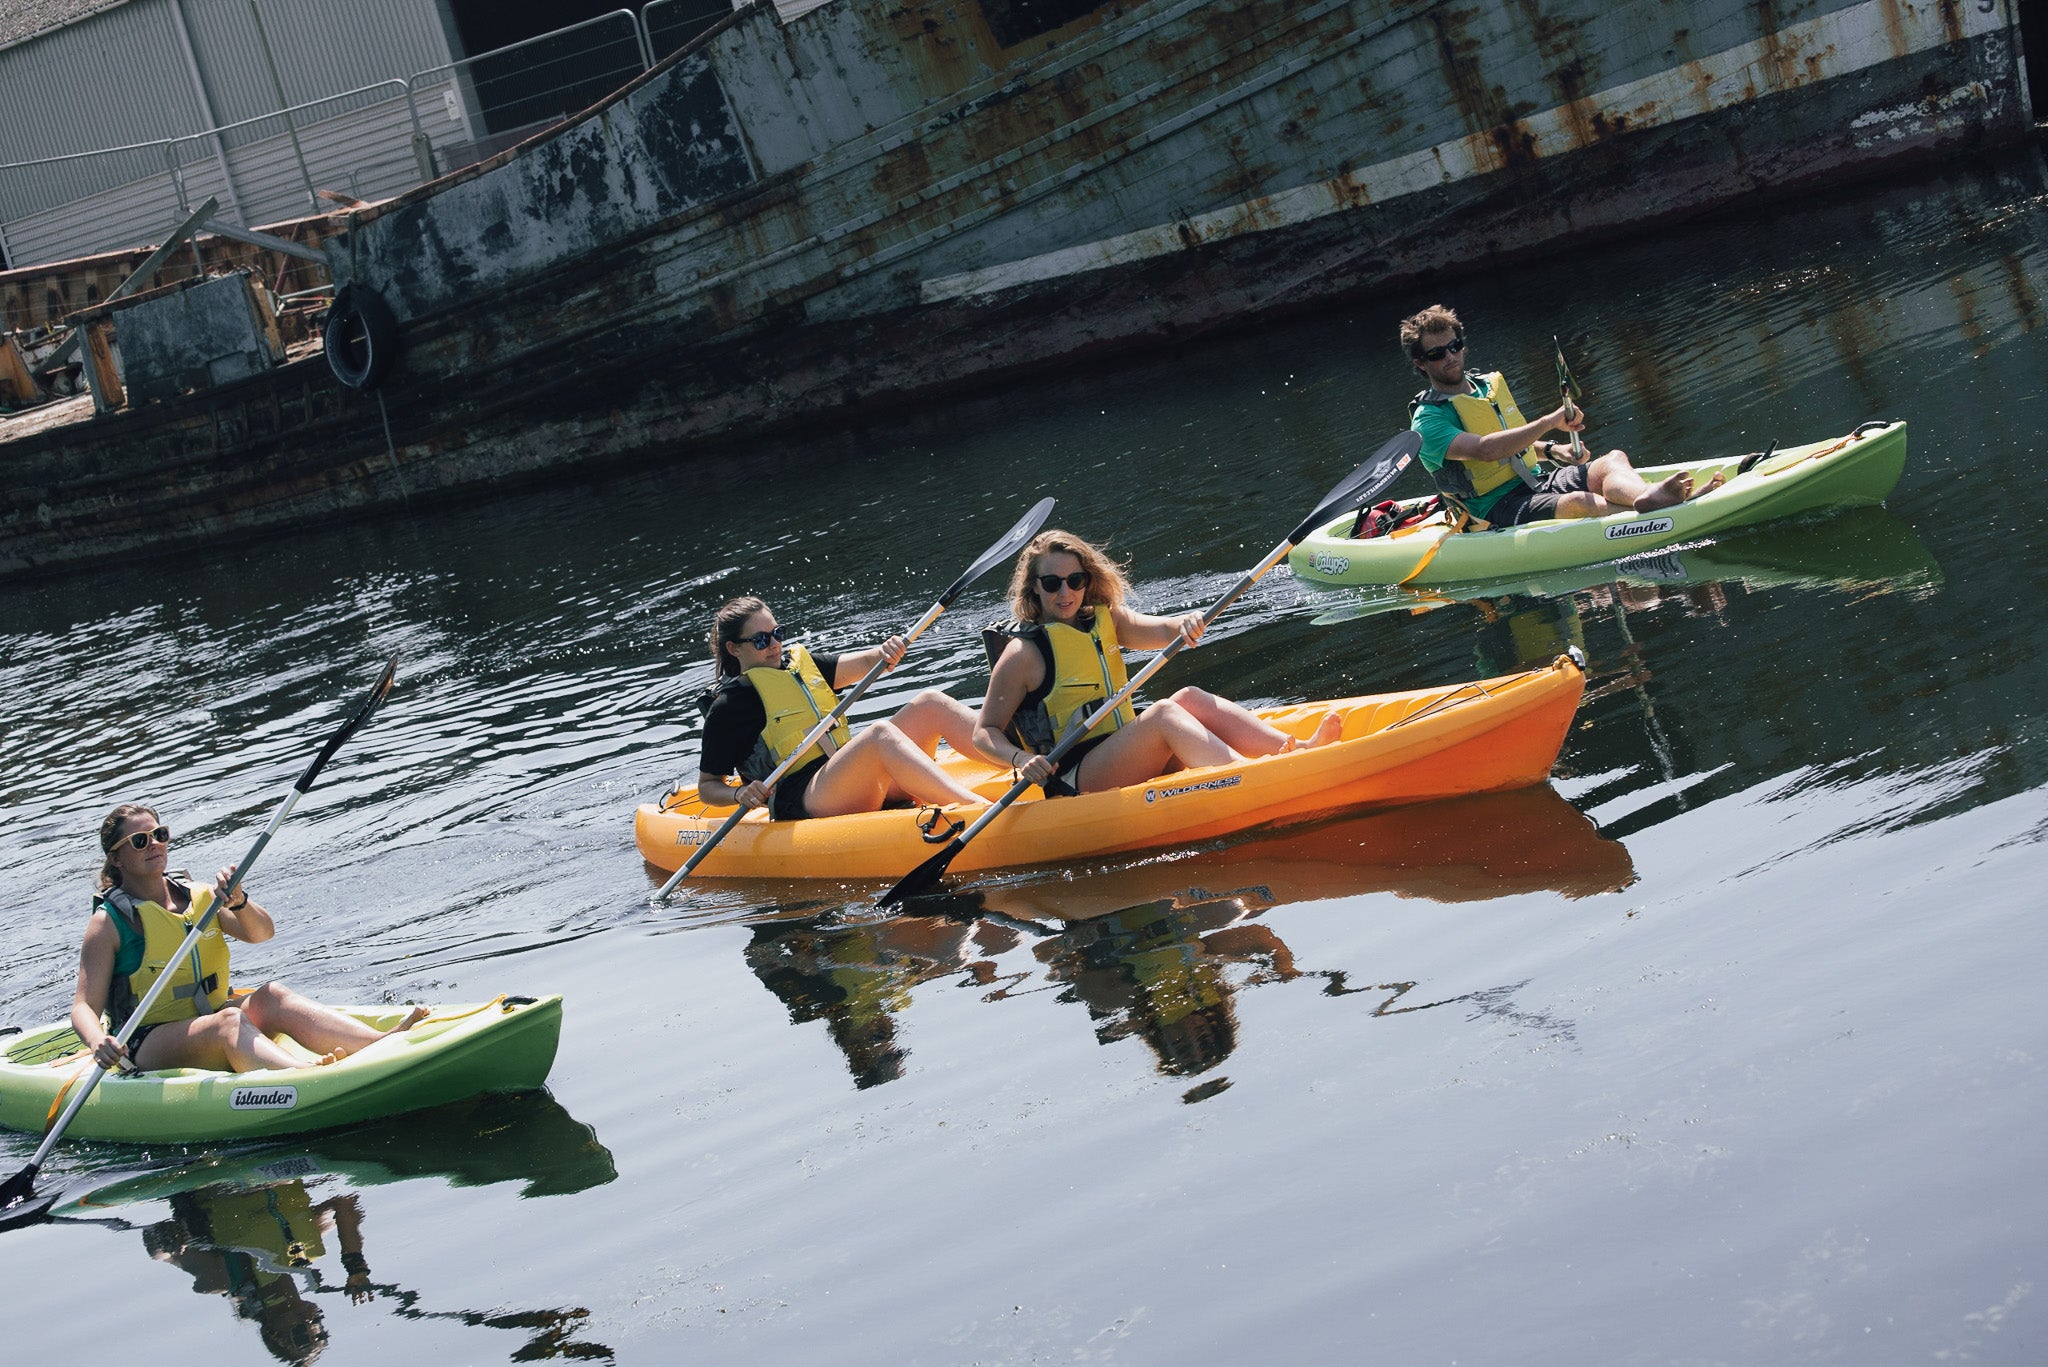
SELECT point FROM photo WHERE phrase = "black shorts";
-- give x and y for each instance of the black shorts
(135, 1040)
(786, 803)
(1067, 781)
(1522, 504)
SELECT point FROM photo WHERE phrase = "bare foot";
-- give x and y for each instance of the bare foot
(1720, 478)
(1666, 493)
(331, 1056)
(1329, 730)
(412, 1018)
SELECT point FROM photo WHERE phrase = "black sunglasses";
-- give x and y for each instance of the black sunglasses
(140, 839)
(760, 639)
(1437, 353)
(1050, 583)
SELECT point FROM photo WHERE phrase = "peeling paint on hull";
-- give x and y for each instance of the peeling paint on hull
(797, 224)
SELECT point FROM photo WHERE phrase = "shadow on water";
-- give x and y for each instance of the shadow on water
(1159, 949)
(254, 1225)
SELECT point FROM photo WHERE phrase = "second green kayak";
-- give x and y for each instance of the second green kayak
(1856, 470)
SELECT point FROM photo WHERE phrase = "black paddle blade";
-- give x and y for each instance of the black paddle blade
(29, 1210)
(924, 877)
(1364, 484)
(1012, 542)
(377, 694)
(19, 1204)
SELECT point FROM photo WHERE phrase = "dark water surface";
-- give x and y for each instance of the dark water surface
(1726, 1048)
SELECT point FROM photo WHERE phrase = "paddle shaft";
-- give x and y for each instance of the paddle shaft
(1565, 387)
(19, 1185)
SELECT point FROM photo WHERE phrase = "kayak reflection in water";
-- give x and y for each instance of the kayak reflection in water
(1063, 656)
(1158, 972)
(141, 914)
(1488, 461)
(768, 697)
(857, 978)
(251, 1245)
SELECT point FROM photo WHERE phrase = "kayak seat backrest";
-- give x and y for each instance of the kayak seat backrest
(1030, 728)
(1387, 516)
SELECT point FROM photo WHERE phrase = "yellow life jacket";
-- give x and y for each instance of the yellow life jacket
(1082, 670)
(275, 1223)
(199, 980)
(1496, 412)
(796, 697)
(1087, 668)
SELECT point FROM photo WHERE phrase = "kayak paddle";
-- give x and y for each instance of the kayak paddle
(1358, 488)
(1568, 389)
(1012, 542)
(18, 1202)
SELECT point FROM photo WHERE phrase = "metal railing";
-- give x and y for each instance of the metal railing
(270, 166)
(667, 26)
(517, 90)
(263, 168)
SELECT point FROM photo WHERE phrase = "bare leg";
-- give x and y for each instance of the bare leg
(876, 765)
(227, 1040)
(1235, 725)
(1613, 482)
(1165, 736)
(933, 716)
(277, 1010)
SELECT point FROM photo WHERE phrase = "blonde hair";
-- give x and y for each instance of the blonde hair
(1107, 586)
(110, 874)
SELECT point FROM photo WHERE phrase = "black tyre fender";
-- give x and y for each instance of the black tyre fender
(360, 337)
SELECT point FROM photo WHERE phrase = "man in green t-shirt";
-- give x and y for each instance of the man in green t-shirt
(1488, 459)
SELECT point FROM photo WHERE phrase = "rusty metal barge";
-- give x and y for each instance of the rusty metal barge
(807, 219)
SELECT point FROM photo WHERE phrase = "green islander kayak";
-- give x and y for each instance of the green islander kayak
(1857, 470)
(506, 1045)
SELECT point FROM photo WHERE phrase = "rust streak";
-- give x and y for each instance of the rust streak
(1894, 27)
(1951, 19)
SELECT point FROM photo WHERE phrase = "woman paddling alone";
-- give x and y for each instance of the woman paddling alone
(768, 697)
(141, 914)
(1066, 659)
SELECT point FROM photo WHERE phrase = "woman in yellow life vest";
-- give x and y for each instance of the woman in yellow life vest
(769, 696)
(141, 914)
(1492, 461)
(1066, 659)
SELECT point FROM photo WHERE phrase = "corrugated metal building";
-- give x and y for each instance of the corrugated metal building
(110, 107)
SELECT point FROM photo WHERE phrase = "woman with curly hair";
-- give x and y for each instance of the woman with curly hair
(1064, 657)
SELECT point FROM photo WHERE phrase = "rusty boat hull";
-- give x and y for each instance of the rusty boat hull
(805, 222)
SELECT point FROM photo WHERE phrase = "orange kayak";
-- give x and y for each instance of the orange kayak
(1395, 748)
